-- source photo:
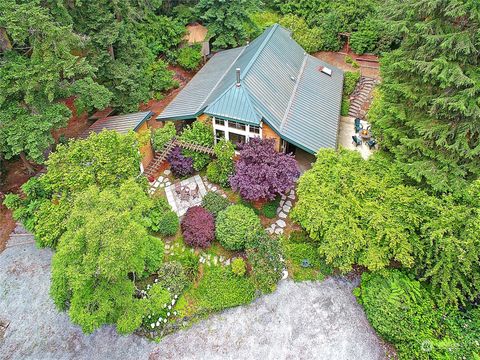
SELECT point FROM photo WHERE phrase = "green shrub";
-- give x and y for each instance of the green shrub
(400, 310)
(235, 226)
(260, 21)
(403, 312)
(161, 136)
(214, 203)
(161, 218)
(220, 288)
(171, 276)
(153, 255)
(350, 82)
(238, 266)
(161, 78)
(189, 261)
(309, 38)
(269, 209)
(349, 60)
(220, 170)
(201, 134)
(265, 256)
(345, 106)
(189, 57)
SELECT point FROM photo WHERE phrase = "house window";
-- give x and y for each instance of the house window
(219, 135)
(220, 122)
(235, 125)
(255, 129)
(236, 139)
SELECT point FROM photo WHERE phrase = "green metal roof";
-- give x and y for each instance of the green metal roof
(280, 84)
(234, 104)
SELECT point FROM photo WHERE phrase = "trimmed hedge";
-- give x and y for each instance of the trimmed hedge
(236, 225)
(198, 227)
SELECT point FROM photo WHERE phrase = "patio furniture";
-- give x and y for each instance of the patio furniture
(178, 188)
(194, 192)
(358, 125)
(356, 140)
(371, 143)
(365, 134)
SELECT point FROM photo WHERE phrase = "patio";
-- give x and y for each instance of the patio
(346, 131)
(185, 194)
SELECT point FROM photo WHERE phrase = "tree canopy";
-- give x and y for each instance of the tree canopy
(428, 110)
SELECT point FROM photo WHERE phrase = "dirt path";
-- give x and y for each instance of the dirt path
(298, 321)
(367, 68)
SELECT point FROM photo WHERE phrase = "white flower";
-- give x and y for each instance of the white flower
(169, 307)
(164, 320)
(168, 313)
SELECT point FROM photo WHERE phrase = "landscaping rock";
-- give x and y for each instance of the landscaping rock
(281, 223)
(278, 231)
(288, 203)
(282, 215)
(160, 179)
(286, 208)
(167, 172)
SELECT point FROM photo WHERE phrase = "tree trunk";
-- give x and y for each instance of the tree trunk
(111, 52)
(27, 164)
(5, 43)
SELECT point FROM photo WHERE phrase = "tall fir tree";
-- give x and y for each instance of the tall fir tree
(428, 109)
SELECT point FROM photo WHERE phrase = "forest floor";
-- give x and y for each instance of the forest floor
(310, 320)
(369, 68)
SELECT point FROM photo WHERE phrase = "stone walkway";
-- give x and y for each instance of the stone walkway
(283, 210)
(161, 182)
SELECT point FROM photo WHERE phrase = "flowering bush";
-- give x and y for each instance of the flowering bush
(198, 227)
(236, 225)
(262, 172)
(180, 165)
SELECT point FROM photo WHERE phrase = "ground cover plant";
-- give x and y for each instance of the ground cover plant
(214, 203)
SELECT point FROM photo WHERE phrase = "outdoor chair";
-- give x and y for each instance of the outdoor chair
(178, 188)
(358, 125)
(371, 143)
(356, 141)
(194, 192)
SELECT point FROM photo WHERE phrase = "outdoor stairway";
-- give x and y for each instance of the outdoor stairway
(160, 157)
(20, 236)
(361, 95)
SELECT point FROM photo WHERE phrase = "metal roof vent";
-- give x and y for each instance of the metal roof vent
(325, 70)
(292, 78)
(238, 77)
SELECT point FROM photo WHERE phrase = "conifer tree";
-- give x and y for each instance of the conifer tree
(428, 110)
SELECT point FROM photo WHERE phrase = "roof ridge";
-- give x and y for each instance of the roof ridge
(255, 56)
(294, 93)
(220, 79)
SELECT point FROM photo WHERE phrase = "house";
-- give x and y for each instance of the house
(122, 124)
(269, 88)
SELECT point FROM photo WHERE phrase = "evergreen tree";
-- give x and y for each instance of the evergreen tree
(226, 20)
(428, 110)
(38, 67)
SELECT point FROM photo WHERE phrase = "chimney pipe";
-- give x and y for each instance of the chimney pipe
(238, 76)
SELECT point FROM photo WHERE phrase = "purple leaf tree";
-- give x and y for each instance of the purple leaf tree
(198, 227)
(262, 172)
(181, 165)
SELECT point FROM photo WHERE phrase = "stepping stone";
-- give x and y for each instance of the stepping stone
(167, 172)
(291, 196)
(162, 185)
(283, 197)
(168, 183)
(167, 246)
(281, 223)
(214, 188)
(215, 260)
(227, 262)
(282, 215)
(288, 203)
(284, 274)
(270, 231)
(160, 179)
(278, 231)
(224, 196)
(286, 208)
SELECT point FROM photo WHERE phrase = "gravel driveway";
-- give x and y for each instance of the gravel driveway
(298, 321)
